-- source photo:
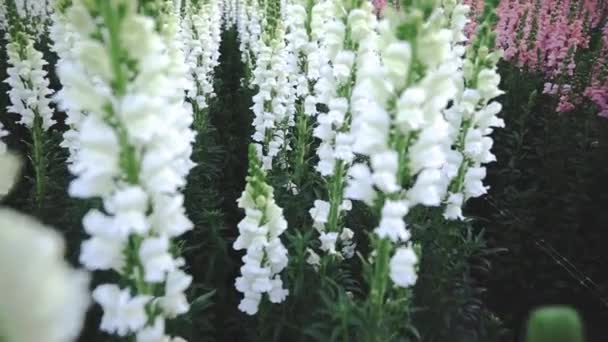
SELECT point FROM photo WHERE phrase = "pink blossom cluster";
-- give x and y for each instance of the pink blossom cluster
(379, 6)
(597, 90)
(545, 35)
(475, 9)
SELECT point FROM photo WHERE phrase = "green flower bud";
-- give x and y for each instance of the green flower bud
(554, 324)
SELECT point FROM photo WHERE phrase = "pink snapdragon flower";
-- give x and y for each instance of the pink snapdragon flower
(379, 6)
(597, 91)
(544, 36)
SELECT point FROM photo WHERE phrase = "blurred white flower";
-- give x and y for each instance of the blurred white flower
(403, 267)
(34, 273)
(9, 169)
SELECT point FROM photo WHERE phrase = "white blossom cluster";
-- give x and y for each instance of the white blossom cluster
(279, 73)
(134, 153)
(201, 30)
(33, 15)
(472, 119)
(259, 235)
(249, 29)
(342, 45)
(29, 311)
(402, 130)
(273, 106)
(59, 293)
(3, 17)
(29, 85)
(9, 166)
(64, 37)
(3, 133)
(230, 12)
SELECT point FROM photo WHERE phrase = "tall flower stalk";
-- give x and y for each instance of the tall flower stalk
(29, 87)
(64, 37)
(472, 118)
(344, 44)
(249, 28)
(259, 235)
(201, 30)
(273, 105)
(404, 138)
(134, 154)
(298, 18)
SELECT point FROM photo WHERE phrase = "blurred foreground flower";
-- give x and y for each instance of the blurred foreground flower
(41, 297)
(9, 167)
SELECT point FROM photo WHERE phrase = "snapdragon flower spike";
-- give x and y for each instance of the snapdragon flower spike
(259, 236)
(134, 153)
(230, 14)
(597, 90)
(33, 16)
(301, 103)
(545, 36)
(29, 85)
(200, 28)
(472, 118)
(273, 106)
(271, 79)
(29, 94)
(405, 79)
(249, 27)
(64, 37)
(344, 44)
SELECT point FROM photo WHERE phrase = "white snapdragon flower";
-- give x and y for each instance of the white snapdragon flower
(156, 333)
(313, 258)
(249, 27)
(472, 119)
(29, 85)
(98, 164)
(33, 16)
(274, 104)
(157, 260)
(10, 166)
(348, 243)
(104, 250)
(123, 313)
(64, 36)
(199, 31)
(134, 147)
(403, 267)
(320, 213)
(360, 185)
(339, 34)
(259, 235)
(392, 225)
(328, 242)
(33, 271)
(174, 302)
(399, 122)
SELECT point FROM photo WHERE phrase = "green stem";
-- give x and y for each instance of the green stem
(112, 20)
(336, 193)
(39, 160)
(379, 282)
(302, 137)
